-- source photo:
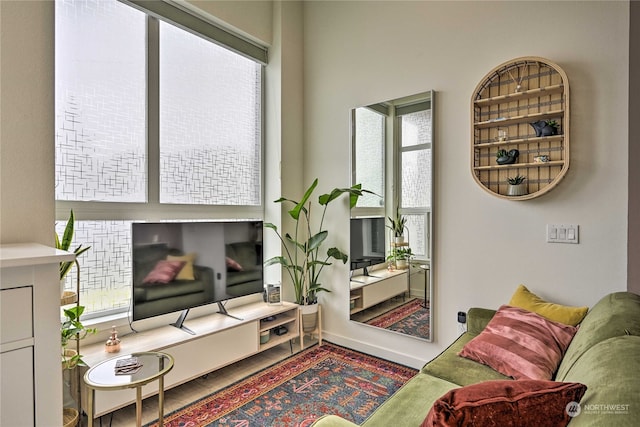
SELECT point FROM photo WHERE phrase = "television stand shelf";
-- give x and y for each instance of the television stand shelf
(219, 340)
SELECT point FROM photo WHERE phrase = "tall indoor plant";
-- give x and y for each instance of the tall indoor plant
(302, 259)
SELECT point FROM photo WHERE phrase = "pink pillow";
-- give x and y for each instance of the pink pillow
(506, 403)
(164, 272)
(233, 265)
(520, 344)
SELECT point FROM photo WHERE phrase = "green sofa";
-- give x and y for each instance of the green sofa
(604, 355)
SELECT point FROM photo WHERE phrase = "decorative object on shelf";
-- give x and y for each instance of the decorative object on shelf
(264, 336)
(397, 225)
(517, 187)
(504, 157)
(502, 135)
(401, 255)
(273, 294)
(545, 127)
(520, 96)
(302, 259)
(541, 159)
(113, 343)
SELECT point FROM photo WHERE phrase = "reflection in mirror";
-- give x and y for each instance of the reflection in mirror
(392, 156)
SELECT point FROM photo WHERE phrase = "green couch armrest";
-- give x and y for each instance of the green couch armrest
(332, 421)
(478, 318)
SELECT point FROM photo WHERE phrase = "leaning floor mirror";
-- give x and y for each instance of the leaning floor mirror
(391, 241)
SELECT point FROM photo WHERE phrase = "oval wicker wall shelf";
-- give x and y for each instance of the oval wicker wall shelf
(505, 103)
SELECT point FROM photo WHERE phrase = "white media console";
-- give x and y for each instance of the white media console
(219, 340)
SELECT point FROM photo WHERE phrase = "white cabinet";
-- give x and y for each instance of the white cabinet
(219, 340)
(30, 394)
(381, 285)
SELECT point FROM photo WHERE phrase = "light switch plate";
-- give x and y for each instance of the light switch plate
(562, 233)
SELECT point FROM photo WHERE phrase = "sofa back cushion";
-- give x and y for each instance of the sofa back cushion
(615, 315)
(610, 371)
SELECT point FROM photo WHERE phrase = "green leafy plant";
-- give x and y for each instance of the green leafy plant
(518, 179)
(65, 244)
(400, 253)
(302, 259)
(501, 153)
(552, 123)
(398, 224)
(71, 330)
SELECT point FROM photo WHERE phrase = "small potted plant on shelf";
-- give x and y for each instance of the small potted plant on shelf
(71, 330)
(401, 256)
(517, 187)
(68, 297)
(397, 225)
(504, 157)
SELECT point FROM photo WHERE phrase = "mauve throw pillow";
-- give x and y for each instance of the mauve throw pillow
(164, 272)
(506, 403)
(520, 344)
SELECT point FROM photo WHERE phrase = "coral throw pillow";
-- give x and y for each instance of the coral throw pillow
(164, 272)
(233, 265)
(186, 273)
(506, 403)
(520, 344)
(566, 314)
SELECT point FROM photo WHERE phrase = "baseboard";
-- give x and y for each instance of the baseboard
(383, 353)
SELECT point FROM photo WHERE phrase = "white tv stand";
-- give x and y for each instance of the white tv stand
(379, 286)
(219, 340)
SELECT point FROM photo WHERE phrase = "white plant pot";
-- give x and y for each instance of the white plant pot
(402, 264)
(399, 239)
(517, 190)
(309, 317)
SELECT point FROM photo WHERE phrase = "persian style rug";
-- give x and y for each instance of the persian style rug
(409, 318)
(319, 380)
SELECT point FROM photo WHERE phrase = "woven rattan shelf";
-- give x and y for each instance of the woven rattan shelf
(508, 99)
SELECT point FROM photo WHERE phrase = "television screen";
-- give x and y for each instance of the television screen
(181, 265)
(367, 242)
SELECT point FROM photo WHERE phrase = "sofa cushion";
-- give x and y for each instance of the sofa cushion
(568, 315)
(520, 344)
(410, 404)
(615, 315)
(610, 371)
(459, 370)
(506, 404)
(164, 272)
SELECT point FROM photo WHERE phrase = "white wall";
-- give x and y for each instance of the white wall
(358, 53)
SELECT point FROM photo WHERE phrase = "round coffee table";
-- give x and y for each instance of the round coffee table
(155, 365)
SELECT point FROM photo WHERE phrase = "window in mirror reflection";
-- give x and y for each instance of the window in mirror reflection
(368, 156)
(415, 173)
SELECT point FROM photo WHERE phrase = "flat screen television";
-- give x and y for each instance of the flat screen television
(367, 245)
(181, 265)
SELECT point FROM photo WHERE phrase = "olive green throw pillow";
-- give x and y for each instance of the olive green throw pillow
(524, 298)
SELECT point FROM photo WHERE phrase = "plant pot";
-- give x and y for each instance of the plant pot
(399, 239)
(264, 336)
(69, 417)
(68, 297)
(402, 264)
(517, 190)
(309, 317)
(67, 355)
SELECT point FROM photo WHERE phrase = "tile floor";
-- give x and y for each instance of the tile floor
(184, 394)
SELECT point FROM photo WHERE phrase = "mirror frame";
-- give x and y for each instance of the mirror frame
(392, 188)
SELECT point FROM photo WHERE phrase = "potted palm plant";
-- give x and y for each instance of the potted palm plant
(397, 225)
(302, 259)
(68, 297)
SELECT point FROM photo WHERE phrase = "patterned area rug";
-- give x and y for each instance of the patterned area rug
(410, 318)
(320, 380)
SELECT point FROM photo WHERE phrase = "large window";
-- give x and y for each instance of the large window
(415, 173)
(152, 122)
